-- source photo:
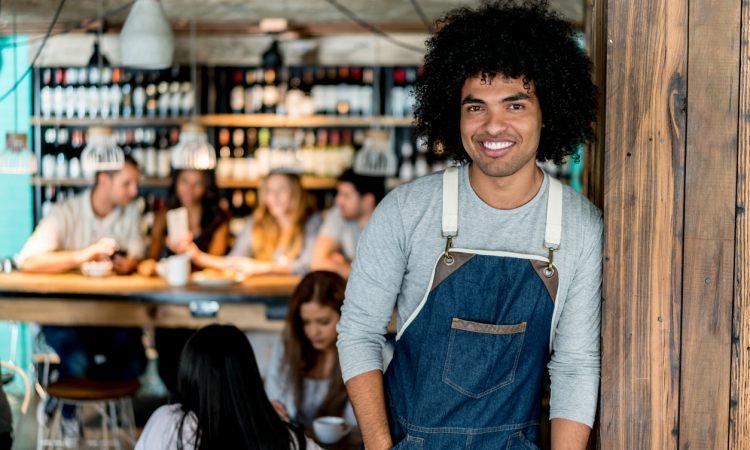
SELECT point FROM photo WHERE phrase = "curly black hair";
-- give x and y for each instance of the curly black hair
(515, 39)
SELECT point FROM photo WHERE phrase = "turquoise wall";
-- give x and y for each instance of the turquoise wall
(16, 200)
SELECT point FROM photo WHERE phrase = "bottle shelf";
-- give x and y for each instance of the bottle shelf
(308, 182)
(110, 122)
(234, 120)
(278, 121)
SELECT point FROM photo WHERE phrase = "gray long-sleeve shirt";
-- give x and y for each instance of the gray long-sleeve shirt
(399, 247)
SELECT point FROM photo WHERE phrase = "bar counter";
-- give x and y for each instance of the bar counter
(258, 303)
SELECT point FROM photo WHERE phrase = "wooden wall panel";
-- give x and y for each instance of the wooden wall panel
(710, 192)
(643, 198)
(595, 23)
(739, 412)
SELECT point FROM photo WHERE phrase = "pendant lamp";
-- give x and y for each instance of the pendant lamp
(17, 159)
(146, 40)
(193, 151)
(101, 154)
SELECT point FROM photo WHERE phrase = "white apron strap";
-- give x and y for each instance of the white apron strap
(450, 202)
(553, 231)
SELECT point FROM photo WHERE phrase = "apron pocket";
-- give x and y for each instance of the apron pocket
(482, 357)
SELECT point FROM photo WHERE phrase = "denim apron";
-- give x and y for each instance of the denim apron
(469, 362)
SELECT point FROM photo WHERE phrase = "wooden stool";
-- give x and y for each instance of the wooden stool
(103, 396)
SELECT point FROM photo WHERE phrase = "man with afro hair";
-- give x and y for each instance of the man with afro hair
(494, 267)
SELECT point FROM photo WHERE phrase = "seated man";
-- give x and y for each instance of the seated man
(336, 244)
(100, 223)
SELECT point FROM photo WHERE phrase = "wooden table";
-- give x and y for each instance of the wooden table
(258, 303)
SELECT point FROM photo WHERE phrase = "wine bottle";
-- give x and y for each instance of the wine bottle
(237, 94)
(45, 94)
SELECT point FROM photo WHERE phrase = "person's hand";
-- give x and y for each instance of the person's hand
(124, 265)
(280, 410)
(184, 245)
(102, 249)
(248, 266)
(147, 268)
(338, 259)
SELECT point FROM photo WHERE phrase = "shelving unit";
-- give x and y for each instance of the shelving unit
(278, 121)
(110, 122)
(233, 120)
(308, 182)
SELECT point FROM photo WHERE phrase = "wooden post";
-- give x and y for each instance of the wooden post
(710, 191)
(739, 412)
(676, 312)
(643, 208)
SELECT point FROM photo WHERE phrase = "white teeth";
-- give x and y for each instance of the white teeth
(497, 145)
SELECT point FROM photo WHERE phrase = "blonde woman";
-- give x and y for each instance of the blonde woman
(279, 236)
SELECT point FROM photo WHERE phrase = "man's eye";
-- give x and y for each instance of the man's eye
(516, 106)
(473, 108)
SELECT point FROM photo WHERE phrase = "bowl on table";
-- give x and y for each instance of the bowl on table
(96, 269)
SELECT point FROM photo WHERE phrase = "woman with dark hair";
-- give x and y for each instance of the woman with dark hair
(304, 379)
(220, 401)
(196, 191)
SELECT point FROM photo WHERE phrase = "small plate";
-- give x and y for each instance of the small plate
(202, 279)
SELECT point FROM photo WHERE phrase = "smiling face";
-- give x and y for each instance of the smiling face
(278, 195)
(501, 122)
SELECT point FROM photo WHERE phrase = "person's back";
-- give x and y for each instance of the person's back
(220, 401)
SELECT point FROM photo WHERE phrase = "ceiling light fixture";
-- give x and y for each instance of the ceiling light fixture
(101, 154)
(146, 40)
(193, 151)
(16, 159)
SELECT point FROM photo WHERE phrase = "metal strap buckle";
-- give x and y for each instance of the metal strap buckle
(448, 258)
(549, 271)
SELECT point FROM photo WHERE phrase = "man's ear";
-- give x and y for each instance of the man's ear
(369, 201)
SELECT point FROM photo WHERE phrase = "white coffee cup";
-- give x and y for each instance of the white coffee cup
(330, 429)
(175, 269)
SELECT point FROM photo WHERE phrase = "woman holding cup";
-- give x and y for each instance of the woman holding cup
(304, 379)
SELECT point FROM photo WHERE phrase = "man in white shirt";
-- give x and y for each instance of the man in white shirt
(98, 224)
(356, 199)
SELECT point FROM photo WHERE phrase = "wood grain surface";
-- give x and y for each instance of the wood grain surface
(710, 191)
(643, 198)
(739, 404)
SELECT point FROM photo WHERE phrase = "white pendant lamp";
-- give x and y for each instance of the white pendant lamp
(17, 159)
(193, 151)
(101, 154)
(146, 40)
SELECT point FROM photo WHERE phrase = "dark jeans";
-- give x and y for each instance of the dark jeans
(6, 441)
(97, 353)
(169, 343)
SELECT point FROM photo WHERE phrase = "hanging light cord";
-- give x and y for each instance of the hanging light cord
(194, 71)
(372, 28)
(420, 12)
(99, 53)
(15, 69)
(38, 52)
